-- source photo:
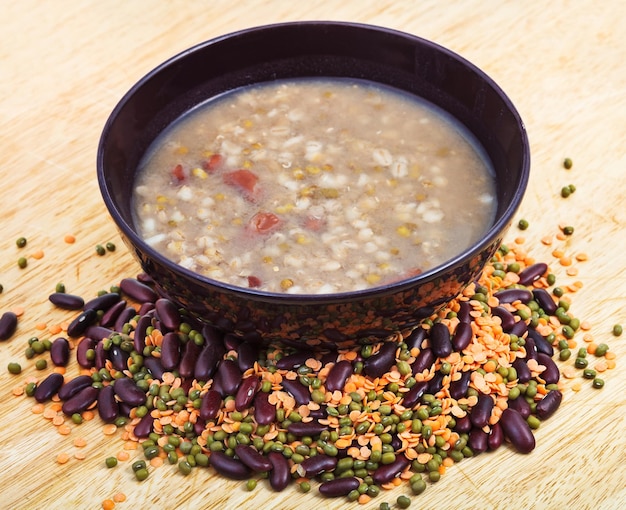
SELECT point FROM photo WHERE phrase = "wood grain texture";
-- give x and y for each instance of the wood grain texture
(65, 64)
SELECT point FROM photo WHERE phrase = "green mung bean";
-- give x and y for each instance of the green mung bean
(617, 330)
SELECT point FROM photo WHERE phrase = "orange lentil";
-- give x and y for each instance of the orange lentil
(565, 260)
(610, 364)
(109, 429)
(591, 347)
(547, 240)
(108, 504)
(610, 355)
(123, 456)
(601, 366)
(17, 391)
(80, 455)
(38, 409)
(38, 254)
(63, 458)
(58, 420)
(55, 329)
(40, 326)
(120, 497)
(18, 310)
(64, 430)
(577, 386)
(571, 271)
(80, 442)
(88, 415)
(582, 257)
(156, 462)
(363, 499)
(69, 239)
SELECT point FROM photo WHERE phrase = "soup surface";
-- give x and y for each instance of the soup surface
(313, 186)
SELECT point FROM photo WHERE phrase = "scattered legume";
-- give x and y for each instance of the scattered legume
(522, 224)
(22, 262)
(617, 330)
(14, 368)
(21, 242)
(567, 163)
(100, 250)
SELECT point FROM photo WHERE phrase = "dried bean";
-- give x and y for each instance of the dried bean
(549, 404)
(318, 464)
(519, 329)
(339, 486)
(60, 352)
(507, 318)
(311, 428)
(463, 424)
(387, 472)
(264, 411)
(338, 376)
(138, 291)
(144, 427)
(496, 437)
(458, 388)
(530, 347)
(523, 372)
(107, 405)
(247, 355)
(230, 467)
(464, 312)
(520, 405)
(551, 374)
(545, 301)
(66, 301)
(440, 341)
(435, 383)
(210, 405)
(70, 388)
(246, 392)
(85, 345)
(412, 397)
(299, 392)
(541, 343)
(97, 333)
(81, 401)
(423, 361)
(252, 458)
(227, 378)
(125, 316)
(168, 313)
(139, 339)
(48, 387)
(517, 430)
(80, 324)
(416, 338)
(210, 356)
(170, 351)
(127, 391)
(293, 361)
(532, 273)
(109, 317)
(513, 295)
(463, 335)
(481, 412)
(118, 358)
(8, 324)
(103, 302)
(280, 475)
(478, 440)
(380, 363)
(188, 358)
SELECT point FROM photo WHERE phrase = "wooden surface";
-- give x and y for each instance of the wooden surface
(65, 64)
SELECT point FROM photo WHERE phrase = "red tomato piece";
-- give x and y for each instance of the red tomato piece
(263, 222)
(243, 179)
(254, 281)
(178, 173)
(213, 163)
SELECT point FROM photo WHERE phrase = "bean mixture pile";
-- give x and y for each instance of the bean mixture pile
(479, 375)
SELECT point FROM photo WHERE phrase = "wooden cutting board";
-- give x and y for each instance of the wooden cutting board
(65, 64)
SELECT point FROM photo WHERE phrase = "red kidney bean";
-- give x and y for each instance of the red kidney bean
(125, 316)
(46, 389)
(110, 316)
(519, 329)
(146, 308)
(464, 312)
(188, 358)
(463, 335)
(80, 324)
(246, 392)
(549, 404)
(138, 291)
(521, 405)
(517, 430)
(168, 313)
(247, 355)
(481, 412)
(230, 467)
(280, 475)
(60, 352)
(66, 301)
(209, 357)
(423, 361)
(119, 358)
(458, 388)
(311, 428)
(8, 325)
(298, 391)
(98, 333)
(440, 341)
(387, 472)
(83, 346)
(435, 383)
(103, 302)
(127, 391)
(541, 343)
(252, 458)
(81, 401)
(73, 386)
(139, 339)
(512, 295)
(379, 364)
(496, 437)
(412, 397)
(144, 427)
(170, 351)
(154, 367)
(463, 424)
(210, 405)
(551, 374)
(101, 356)
(545, 301)
(264, 411)
(227, 378)
(145, 278)
(107, 405)
(338, 376)
(523, 372)
(416, 338)
(292, 361)
(478, 440)
(530, 347)
(339, 486)
(532, 273)
(318, 464)
(506, 317)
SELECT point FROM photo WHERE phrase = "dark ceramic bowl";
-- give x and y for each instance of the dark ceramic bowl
(310, 49)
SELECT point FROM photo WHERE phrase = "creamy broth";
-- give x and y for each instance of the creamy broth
(314, 186)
